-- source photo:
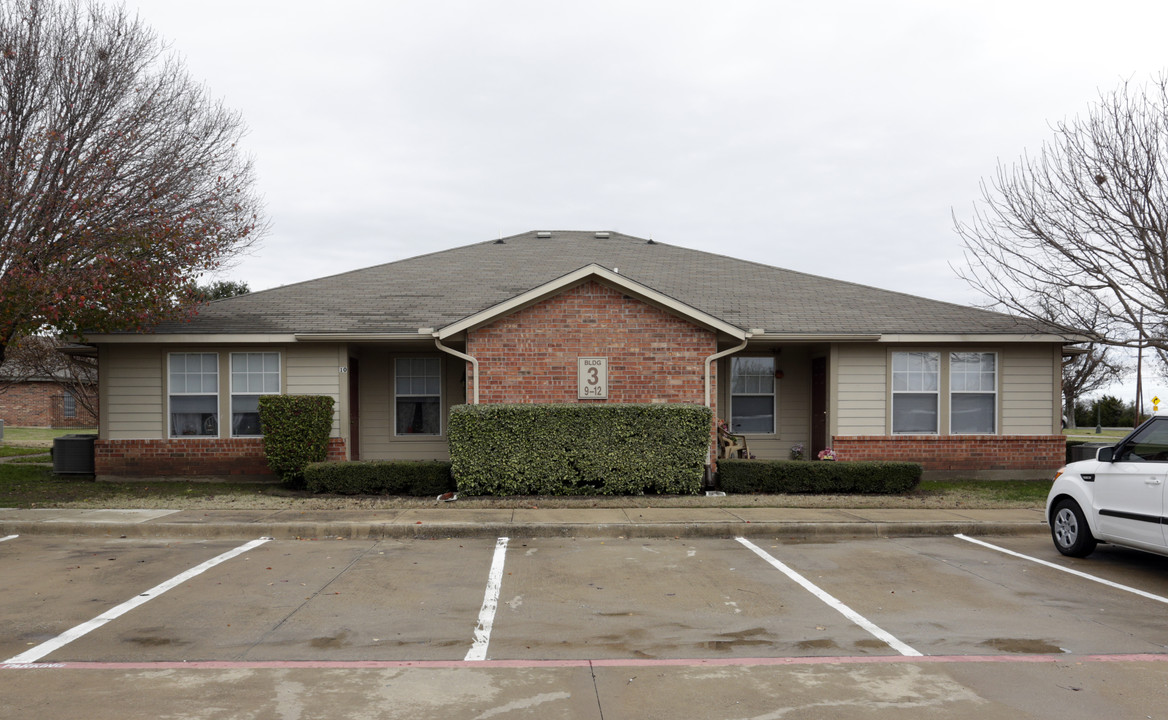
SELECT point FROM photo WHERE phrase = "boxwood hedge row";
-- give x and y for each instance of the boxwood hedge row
(380, 477)
(579, 448)
(794, 477)
(296, 432)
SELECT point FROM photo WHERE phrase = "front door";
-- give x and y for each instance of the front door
(818, 406)
(354, 411)
(1129, 491)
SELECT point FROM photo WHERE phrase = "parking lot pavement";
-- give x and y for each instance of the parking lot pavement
(569, 626)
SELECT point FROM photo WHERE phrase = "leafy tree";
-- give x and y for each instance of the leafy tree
(1078, 234)
(1108, 411)
(221, 289)
(121, 181)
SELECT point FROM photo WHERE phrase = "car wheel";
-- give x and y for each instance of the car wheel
(1068, 528)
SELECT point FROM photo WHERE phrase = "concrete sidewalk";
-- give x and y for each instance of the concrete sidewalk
(788, 523)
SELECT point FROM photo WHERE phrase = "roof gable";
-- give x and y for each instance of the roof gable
(578, 277)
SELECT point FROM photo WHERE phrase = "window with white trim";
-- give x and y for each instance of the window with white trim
(973, 393)
(194, 394)
(68, 405)
(417, 396)
(752, 395)
(252, 374)
(916, 383)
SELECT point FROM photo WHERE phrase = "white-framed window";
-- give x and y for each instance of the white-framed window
(194, 394)
(252, 374)
(916, 387)
(752, 395)
(973, 393)
(417, 397)
(68, 405)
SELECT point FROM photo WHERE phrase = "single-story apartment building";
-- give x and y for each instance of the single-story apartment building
(785, 358)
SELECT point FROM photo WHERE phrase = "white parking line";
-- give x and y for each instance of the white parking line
(10, 537)
(832, 602)
(1084, 575)
(49, 646)
(482, 633)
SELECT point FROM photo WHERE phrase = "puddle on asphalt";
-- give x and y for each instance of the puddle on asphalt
(330, 643)
(1023, 646)
(155, 641)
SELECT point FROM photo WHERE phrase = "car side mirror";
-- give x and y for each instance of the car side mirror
(1105, 454)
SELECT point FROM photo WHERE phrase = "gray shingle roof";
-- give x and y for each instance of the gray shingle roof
(437, 289)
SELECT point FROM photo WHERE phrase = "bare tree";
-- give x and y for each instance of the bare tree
(40, 357)
(1078, 235)
(121, 182)
(1094, 369)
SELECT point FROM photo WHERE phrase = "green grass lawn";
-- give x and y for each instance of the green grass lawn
(37, 437)
(994, 492)
(37, 486)
(12, 451)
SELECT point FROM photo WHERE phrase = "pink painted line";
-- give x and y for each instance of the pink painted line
(538, 664)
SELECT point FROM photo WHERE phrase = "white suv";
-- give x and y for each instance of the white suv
(1117, 498)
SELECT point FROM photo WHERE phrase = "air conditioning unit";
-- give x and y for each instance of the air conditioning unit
(73, 454)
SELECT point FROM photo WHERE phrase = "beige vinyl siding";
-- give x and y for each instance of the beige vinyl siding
(314, 370)
(131, 393)
(378, 441)
(862, 393)
(1027, 402)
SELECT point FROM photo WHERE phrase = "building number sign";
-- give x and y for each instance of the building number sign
(592, 378)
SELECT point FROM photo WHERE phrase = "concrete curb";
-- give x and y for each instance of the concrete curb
(795, 531)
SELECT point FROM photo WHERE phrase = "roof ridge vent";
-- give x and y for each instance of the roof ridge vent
(603, 235)
(543, 234)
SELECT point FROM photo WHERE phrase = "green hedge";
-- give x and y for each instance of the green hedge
(579, 448)
(793, 477)
(380, 477)
(296, 432)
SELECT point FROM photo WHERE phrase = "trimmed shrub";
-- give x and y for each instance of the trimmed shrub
(793, 477)
(579, 448)
(380, 477)
(296, 432)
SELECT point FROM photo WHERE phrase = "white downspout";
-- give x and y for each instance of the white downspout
(474, 366)
(717, 356)
(709, 361)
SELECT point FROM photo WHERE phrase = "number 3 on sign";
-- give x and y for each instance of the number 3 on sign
(593, 378)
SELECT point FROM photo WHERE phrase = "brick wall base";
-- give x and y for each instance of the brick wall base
(186, 458)
(959, 454)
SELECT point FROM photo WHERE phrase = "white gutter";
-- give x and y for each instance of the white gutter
(716, 356)
(474, 364)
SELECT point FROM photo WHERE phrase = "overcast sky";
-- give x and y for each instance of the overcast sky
(835, 138)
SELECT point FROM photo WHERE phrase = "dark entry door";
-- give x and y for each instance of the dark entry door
(818, 406)
(354, 411)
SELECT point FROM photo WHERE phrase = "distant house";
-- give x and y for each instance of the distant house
(34, 400)
(785, 357)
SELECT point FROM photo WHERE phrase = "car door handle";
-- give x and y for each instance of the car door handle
(1152, 481)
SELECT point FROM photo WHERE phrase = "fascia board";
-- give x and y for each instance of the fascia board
(629, 287)
(187, 338)
(982, 338)
(360, 337)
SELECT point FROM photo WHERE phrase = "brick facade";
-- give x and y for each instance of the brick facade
(958, 452)
(531, 356)
(182, 457)
(40, 404)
